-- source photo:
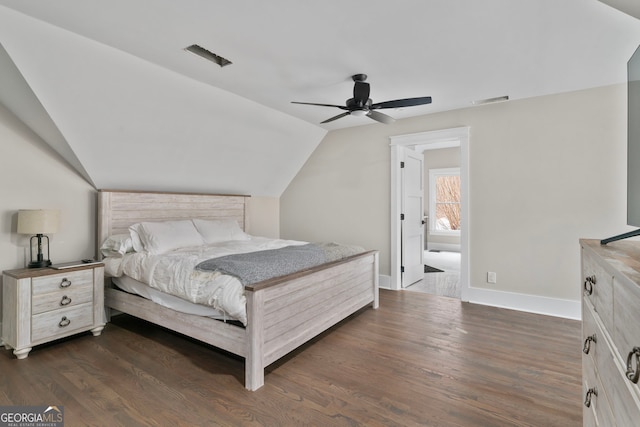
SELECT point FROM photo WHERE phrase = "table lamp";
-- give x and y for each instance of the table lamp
(38, 222)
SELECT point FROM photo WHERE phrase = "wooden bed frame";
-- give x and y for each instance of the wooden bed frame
(282, 313)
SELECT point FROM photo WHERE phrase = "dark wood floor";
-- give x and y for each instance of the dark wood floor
(418, 360)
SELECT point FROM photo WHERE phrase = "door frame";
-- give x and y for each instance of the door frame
(423, 141)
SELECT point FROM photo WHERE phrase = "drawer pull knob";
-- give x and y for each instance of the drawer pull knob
(65, 300)
(587, 343)
(588, 285)
(64, 322)
(65, 283)
(587, 399)
(633, 374)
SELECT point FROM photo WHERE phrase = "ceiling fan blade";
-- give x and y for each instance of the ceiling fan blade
(339, 116)
(342, 107)
(379, 117)
(361, 92)
(399, 103)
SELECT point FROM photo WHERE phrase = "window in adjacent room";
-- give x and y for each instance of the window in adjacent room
(444, 201)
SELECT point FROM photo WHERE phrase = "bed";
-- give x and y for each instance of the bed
(282, 313)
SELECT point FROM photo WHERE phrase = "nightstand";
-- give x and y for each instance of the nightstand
(43, 304)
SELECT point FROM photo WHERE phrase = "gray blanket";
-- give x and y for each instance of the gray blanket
(254, 267)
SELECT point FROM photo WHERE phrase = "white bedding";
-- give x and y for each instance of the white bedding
(174, 272)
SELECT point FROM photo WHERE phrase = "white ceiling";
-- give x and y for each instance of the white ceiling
(135, 88)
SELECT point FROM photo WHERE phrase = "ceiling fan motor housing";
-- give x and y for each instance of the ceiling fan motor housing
(362, 105)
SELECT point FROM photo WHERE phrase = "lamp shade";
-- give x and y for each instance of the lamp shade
(37, 221)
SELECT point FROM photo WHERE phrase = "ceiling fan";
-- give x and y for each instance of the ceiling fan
(361, 104)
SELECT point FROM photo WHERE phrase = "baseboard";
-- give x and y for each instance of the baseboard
(445, 247)
(384, 281)
(568, 309)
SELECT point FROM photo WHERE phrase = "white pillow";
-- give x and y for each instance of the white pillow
(117, 245)
(219, 230)
(165, 236)
(136, 240)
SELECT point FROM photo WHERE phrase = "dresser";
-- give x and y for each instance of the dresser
(611, 333)
(43, 304)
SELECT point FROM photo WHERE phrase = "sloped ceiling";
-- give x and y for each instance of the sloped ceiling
(630, 7)
(137, 111)
(135, 125)
(20, 99)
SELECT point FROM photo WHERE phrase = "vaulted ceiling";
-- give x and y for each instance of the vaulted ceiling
(111, 87)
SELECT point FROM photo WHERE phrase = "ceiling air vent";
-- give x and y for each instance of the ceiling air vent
(206, 54)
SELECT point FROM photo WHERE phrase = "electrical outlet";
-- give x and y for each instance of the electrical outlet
(491, 277)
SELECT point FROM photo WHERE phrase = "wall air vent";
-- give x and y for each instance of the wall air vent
(206, 54)
(491, 100)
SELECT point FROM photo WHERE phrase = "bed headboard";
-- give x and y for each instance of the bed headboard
(117, 210)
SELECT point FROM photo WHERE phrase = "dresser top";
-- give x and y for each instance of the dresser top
(24, 273)
(623, 256)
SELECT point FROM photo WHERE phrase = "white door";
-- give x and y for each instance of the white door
(412, 214)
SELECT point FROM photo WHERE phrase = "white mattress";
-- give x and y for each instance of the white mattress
(133, 286)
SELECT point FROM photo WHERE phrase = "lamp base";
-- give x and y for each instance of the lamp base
(39, 264)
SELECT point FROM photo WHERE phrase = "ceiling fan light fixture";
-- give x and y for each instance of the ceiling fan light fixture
(359, 113)
(208, 55)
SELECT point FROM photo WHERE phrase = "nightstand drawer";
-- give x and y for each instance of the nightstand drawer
(56, 323)
(62, 281)
(69, 297)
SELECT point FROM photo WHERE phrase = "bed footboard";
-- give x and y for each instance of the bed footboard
(285, 313)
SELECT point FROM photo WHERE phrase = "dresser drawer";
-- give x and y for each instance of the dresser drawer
(596, 410)
(595, 345)
(61, 282)
(59, 323)
(626, 332)
(597, 287)
(624, 402)
(68, 297)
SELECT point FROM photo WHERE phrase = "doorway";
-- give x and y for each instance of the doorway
(420, 142)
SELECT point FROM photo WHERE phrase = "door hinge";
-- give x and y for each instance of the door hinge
(401, 217)
(402, 269)
(401, 164)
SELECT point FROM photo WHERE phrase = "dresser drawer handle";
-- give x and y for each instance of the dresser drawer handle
(65, 283)
(587, 399)
(633, 375)
(588, 285)
(64, 322)
(65, 300)
(587, 343)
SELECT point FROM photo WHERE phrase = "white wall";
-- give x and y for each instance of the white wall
(264, 216)
(544, 172)
(33, 176)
